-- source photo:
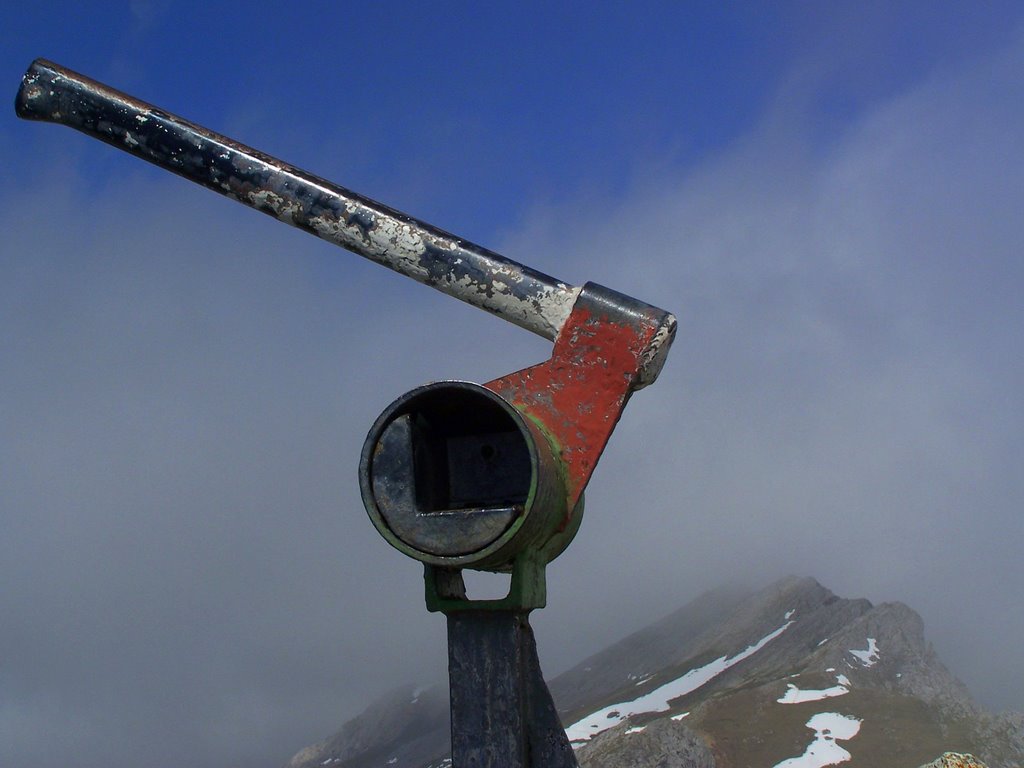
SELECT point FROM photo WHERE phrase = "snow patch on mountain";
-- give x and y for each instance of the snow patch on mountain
(828, 727)
(794, 695)
(658, 699)
(869, 656)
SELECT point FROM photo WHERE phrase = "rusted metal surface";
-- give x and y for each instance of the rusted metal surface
(597, 362)
(575, 399)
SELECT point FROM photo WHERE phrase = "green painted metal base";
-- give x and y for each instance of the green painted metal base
(446, 591)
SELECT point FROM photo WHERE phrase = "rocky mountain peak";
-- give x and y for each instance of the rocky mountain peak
(734, 678)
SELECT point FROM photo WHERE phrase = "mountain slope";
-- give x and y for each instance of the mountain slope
(791, 675)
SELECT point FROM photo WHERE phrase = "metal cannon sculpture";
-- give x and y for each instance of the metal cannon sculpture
(454, 474)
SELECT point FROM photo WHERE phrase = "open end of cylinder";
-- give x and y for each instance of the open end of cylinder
(464, 455)
(448, 469)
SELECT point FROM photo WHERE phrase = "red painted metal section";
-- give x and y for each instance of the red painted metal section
(579, 394)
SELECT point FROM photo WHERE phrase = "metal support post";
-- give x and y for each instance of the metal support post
(502, 712)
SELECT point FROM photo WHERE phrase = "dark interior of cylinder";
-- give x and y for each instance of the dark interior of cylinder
(468, 452)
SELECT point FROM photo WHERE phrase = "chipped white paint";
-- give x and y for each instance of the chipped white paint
(653, 358)
(283, 209)
(526, 298)
(401, 246)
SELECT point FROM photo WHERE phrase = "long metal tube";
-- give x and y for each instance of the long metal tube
(414, 248)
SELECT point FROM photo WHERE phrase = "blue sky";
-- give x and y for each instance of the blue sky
(534, 102)
(828, 196)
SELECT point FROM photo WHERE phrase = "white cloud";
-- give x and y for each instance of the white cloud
(845, 388)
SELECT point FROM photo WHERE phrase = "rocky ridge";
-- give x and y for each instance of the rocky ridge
(733, 679)
(955, 760)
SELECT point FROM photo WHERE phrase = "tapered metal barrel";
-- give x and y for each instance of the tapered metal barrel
(414, 248)
(502, 712)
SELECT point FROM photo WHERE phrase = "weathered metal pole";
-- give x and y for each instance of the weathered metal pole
(467, 271)
(502, 712)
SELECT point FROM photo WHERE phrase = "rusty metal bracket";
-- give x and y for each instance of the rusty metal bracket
(606, 347)
(576, 397)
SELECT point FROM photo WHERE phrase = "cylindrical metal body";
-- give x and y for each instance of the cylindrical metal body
(469, 272)
(455, 476)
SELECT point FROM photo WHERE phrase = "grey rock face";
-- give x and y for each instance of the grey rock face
(955, 760)
(662, 744)
(906, 662)
(1003, 736)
